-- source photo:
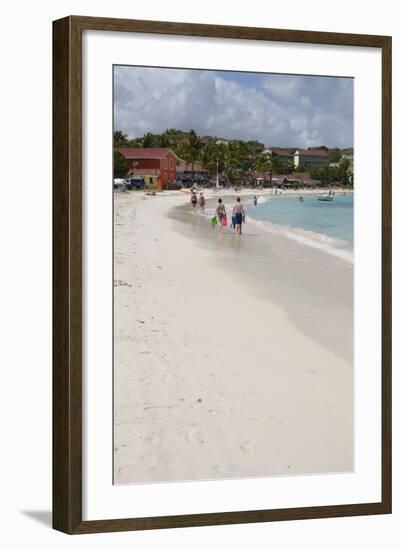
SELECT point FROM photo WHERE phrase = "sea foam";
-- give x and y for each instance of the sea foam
(331, 245)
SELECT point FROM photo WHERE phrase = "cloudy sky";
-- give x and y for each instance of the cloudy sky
(281, 110)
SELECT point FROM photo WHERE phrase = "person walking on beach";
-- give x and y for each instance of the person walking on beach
(221, 214)
(202, 202)
(239, 215)
(194, 200)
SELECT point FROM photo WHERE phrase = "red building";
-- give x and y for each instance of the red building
(155, 165)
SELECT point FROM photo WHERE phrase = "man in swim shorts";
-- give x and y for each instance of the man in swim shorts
(239, 215)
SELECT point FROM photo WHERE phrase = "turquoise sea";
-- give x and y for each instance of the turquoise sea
(324, 225)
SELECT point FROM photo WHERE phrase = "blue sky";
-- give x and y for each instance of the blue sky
(282, 110)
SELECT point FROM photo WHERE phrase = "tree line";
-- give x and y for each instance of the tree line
(237, 159)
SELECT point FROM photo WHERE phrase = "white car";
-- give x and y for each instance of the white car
(120, 184)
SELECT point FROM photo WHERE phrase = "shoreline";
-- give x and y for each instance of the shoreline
(291, 284)
(205, 384)
(302, 235)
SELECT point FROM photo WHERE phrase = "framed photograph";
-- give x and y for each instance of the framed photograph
(222, 275)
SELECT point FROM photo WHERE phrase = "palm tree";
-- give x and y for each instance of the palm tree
(263, 164)
(119, 165)
(120, 139)
(208, 157)
(190, 149)
(343, 170)
(163, 140)
(137, 142)
(148, 140)
(194, 146)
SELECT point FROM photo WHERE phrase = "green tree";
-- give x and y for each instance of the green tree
(190, 150)
(279, 166)
(344, 171)
(164, 140)
(208, 157)
(119, 165)
(120, 139)
(255, 147)
(335, 155)
(136, 142)
(262, 163)
(148, 140)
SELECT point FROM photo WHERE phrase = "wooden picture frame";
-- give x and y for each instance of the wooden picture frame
(67, 274)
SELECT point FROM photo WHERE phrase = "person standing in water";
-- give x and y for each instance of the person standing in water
(239, 215)
(255, 201)
(221, 213)
(194, 200)
(202, 202)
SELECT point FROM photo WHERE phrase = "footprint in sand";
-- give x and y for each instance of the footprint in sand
(248, 447)
(195, 435)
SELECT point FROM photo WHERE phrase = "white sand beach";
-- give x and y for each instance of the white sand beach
(228, 362)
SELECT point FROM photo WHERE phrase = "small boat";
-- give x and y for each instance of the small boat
(325, 197)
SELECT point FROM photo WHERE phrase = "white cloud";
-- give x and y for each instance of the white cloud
(283, 87)
(275, 109)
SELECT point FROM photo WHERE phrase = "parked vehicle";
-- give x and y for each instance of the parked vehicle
(174, 186)
(120, 184)
(135, 182)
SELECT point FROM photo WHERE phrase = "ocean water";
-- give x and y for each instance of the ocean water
(324, 225)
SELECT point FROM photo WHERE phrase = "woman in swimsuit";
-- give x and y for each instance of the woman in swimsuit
(194, 200)
(239, 215)
(220, 213)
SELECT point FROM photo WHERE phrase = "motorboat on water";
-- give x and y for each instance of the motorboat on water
(326, 197)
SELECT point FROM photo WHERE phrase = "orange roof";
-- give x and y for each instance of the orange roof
(145, 152)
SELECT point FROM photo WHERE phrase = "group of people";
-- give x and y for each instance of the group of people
(237, 217)
(195, 201)
(220, 217)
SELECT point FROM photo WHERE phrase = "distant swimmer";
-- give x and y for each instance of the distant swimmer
(239, 215)
(255, 201)
(301, 199)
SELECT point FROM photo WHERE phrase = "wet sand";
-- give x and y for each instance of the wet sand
(314, 287)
